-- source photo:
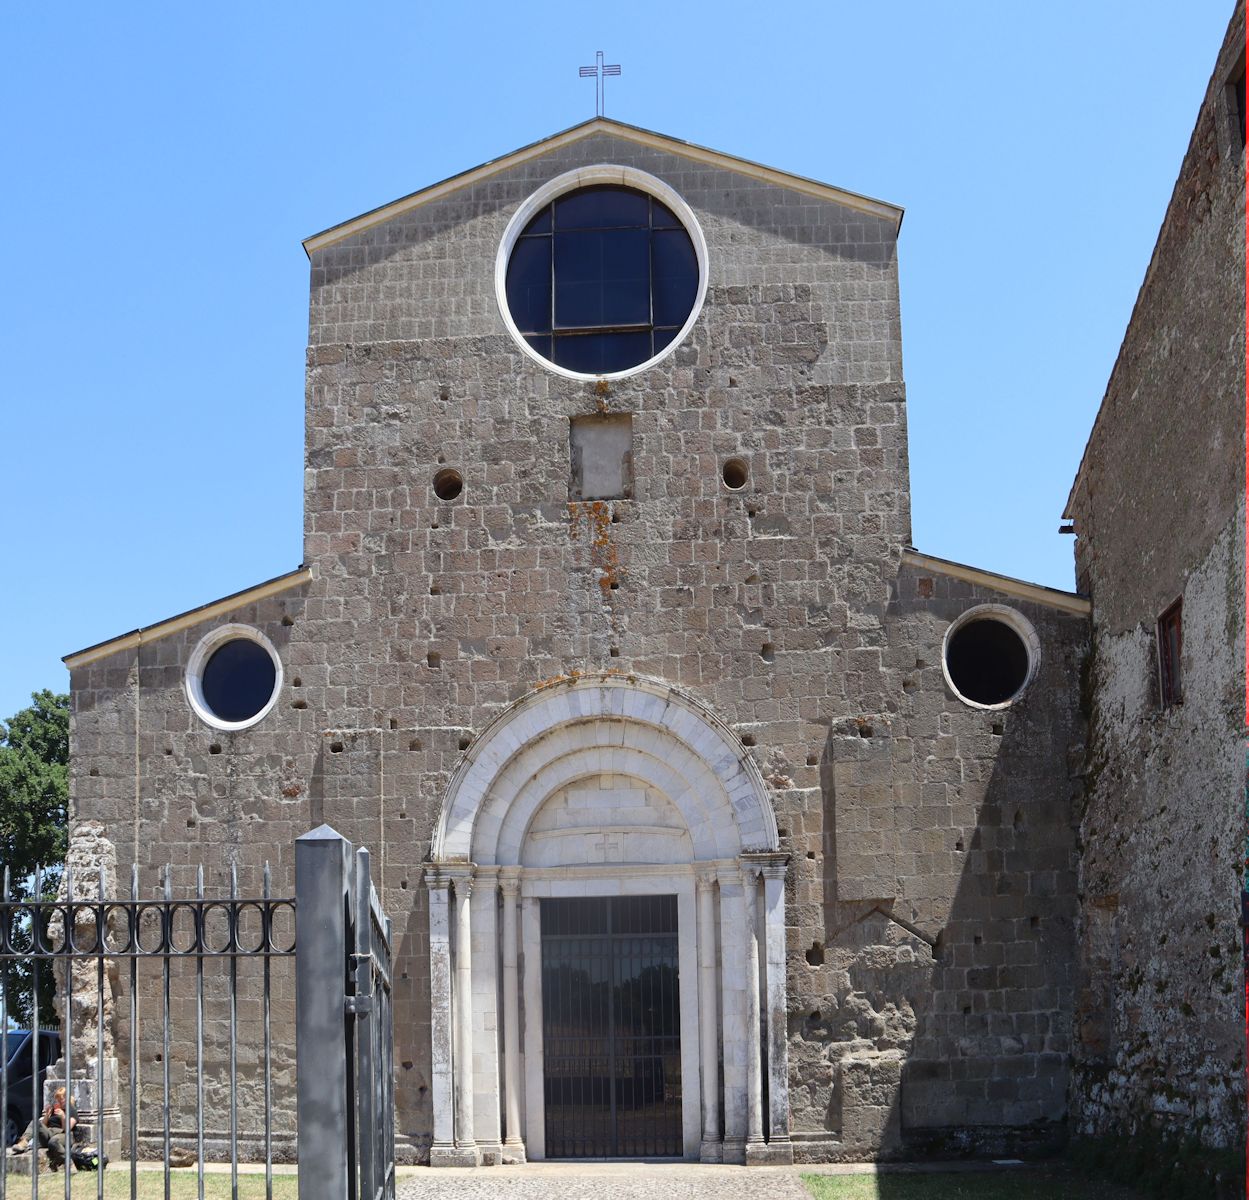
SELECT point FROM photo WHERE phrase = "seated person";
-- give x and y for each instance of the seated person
(58, 1131)
(58, 1121)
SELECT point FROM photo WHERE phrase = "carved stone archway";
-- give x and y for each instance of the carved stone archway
(601, 786)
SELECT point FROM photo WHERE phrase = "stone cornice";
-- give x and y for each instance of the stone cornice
(194, 616)
(443, 874)
(769, 863)
(880, 209)
(1070, 602)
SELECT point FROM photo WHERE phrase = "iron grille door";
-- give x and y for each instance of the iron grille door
(611, 1027)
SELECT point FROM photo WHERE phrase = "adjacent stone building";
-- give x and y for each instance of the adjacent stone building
(1158, 507)
(715, 820)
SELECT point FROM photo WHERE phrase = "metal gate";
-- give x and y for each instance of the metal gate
(170, 956)
(344, 1025)
(611, 1027)
(213, 957)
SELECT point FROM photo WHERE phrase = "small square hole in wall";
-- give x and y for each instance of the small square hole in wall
(601, 453)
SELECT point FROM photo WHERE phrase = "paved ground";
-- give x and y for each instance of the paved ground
(605, 1181)
(644, 1181)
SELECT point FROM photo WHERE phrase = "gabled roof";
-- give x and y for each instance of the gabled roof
(1070, 602)
(205, 612)
(633, 133)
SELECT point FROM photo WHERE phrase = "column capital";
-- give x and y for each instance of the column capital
(439, 875)
(705, 878)
(509, 881)
(768, 863)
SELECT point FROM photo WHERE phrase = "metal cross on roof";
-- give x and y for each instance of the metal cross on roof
(599, 72)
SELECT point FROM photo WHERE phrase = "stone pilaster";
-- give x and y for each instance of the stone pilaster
(754, 1063)
(484, 954)
(513, 1142)
(779, 1148)
(733, 1009)
(711, 1148)
(442, 1152)
(462, 997)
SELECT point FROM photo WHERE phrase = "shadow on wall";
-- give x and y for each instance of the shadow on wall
(940, 1010)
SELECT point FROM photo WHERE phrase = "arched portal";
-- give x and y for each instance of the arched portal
(632, 798)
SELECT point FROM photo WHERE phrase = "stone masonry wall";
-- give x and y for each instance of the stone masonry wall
(1159, 1054)
(171, 790)
(934, 1016)
(782, 605)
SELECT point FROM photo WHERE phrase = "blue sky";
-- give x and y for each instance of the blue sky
(163, 163)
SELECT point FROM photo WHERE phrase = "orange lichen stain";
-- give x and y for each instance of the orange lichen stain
(603, 553)
(602, 387)
(568, 677)
(600, 517)
(574, 675)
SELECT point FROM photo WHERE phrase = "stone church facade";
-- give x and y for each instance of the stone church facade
(638, 662)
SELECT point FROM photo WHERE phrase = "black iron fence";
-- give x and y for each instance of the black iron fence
(185, 991)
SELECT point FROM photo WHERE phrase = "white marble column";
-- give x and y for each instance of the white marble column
(465, 1141)
(442, 1152)
(487, 1117)
(711, 1149)
(780, 1149)
(531, 985)
(513, 1143)
(733, 1012)
(754, 1063)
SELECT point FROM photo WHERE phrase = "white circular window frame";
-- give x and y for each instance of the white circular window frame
(212, 642)
(1007, 616)
(597, 175)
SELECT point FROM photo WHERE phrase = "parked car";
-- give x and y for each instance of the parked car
(21, 1102)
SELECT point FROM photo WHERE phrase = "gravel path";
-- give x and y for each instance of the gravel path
(605, 1181)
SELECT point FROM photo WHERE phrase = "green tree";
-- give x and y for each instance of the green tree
(34, 795)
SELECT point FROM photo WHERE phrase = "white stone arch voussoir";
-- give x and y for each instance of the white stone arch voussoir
(641, 719)
(517, 797)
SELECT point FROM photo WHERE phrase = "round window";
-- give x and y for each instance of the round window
(601, 278)
(990, 655)
(234, 677)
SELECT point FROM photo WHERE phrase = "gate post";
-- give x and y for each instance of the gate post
(323, 874)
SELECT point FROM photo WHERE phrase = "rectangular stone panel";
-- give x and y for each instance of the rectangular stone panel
(601, 451)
